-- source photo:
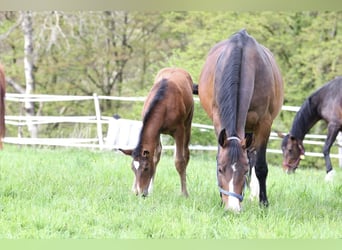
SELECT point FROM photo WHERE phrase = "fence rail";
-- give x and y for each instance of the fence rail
(99, 120)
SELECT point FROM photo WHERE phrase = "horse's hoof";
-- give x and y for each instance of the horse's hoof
(330, 176)
(185, 194)
(264, 204)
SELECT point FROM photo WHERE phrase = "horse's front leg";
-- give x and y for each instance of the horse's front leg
(333, 130)
(253, 181)
(156, 158)
(262, 134)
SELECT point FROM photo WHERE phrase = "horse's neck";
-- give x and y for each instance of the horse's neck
(149, 138)
(305, 119)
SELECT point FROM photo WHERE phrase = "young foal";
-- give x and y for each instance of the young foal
(168, 109)
(2, 103)
(324, 104)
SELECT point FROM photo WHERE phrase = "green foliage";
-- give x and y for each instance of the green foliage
(75, 193)
(119, 53)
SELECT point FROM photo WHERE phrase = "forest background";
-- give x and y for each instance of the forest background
(118, 53)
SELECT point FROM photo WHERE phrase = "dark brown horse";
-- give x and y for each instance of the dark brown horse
(168, 109)
(324, 104)
(241, 89)
(2, 104)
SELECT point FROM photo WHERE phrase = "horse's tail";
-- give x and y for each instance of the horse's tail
(195, 89)
(2, 104)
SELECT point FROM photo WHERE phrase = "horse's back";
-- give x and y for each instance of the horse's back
(177, 103)
(268, 83)
(260, 78)
(329, 97)
(207, 77)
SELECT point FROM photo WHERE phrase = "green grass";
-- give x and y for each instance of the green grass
(77, 193)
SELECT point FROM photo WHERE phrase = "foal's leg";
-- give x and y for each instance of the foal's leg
(156, 159)
(333, 130)
(182, 156)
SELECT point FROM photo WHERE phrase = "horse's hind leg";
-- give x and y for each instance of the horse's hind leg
(182, 157)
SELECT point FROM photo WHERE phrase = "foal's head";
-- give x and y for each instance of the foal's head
(143, 166)
(232, 167)
(293, 152)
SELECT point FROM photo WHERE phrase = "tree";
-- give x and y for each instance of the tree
(29, 68)
(120, 52)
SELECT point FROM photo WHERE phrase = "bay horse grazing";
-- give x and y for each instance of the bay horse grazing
(168, 109)
(241, 90)
(324, 104)
(2, 103)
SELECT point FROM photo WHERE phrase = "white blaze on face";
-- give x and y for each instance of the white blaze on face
(234, 167)
(233, 202)
(136, 164)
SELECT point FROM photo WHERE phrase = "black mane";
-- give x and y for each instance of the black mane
(228, 82)
(160, 94)
(305, 118)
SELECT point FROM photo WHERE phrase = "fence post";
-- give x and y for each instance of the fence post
(98, 120)
(339, 144)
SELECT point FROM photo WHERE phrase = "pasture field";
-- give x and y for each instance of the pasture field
(61, 193)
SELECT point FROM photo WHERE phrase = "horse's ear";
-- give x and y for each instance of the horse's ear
(145, 153)
(222, 137)
(292, 137)
(280, 134)
(126, 151)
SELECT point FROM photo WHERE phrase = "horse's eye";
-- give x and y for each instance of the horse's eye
(145, 169)
(220, 170)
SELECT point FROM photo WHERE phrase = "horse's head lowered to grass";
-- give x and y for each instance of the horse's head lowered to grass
(293, 152)
(144, 168)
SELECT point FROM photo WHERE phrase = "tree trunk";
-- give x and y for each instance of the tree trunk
(28, 66)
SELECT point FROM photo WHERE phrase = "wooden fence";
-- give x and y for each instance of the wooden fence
(121, 132)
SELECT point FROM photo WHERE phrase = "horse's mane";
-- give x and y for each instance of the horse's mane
(160, 94)
(305, 118)
(309, 114)
(228, 89)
